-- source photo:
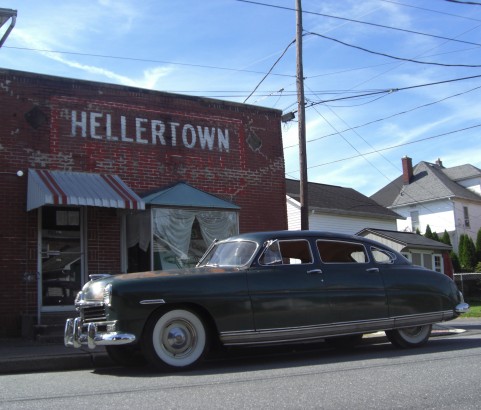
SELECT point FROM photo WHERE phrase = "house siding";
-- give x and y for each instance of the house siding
(347, 224)
(443, 215)
(438, 215)
(293, 215)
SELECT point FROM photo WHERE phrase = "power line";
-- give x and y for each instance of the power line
(377, 151)
(359, 22)
(390, 56)
(391, 90)
(390, 116)
(472, 3)
(430, 10)
(270, 70)
(145, 60)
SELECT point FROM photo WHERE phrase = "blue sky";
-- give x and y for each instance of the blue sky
(357, 130)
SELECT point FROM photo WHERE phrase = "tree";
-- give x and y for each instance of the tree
(436, 237)
(478, 246)
(446, 238)
(428, 233)
(467, 253)
(455, 261)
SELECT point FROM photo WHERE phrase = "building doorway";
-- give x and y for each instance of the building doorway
(62, 256)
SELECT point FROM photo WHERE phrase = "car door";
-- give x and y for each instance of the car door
(286, 287)
(353, 282)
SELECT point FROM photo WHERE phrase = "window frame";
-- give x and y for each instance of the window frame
(392, 255)
(360, 244)
(279, 246)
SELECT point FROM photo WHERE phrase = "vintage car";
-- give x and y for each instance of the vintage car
(263, 288)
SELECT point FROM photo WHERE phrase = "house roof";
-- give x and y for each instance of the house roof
(462, 172)
(429, 182)
(184, 195)
(407, 239)
(339, 200)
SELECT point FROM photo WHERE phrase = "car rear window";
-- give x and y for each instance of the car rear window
(288, 252)
(341, 252)
(382, 256)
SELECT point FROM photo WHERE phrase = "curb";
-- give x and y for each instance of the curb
(61, 362)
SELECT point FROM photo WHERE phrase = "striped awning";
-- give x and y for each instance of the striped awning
(79, 188)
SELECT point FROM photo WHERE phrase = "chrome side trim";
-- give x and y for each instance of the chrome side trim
(152, 301)
(306, 333)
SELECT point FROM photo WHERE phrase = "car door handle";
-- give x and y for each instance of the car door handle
(314, 271)
(376, 270)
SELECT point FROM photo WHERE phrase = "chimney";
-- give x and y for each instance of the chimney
(407, 170)
(439, 163)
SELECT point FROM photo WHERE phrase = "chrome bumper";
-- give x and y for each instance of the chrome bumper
(77, 334)
(462, 308)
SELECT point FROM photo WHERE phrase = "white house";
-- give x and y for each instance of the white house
(337, 209)
(430, 194)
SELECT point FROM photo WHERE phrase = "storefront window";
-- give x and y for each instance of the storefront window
(61, 255)
(180, 236)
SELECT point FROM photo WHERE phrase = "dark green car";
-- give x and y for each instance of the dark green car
(263, 288)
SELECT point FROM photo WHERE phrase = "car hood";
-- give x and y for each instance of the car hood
(174, 272)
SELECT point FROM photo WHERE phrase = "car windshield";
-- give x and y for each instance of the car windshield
(235, 253)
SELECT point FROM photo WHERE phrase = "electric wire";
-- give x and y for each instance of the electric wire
(359, 22)
(391, 56)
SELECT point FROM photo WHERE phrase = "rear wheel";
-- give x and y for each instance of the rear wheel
(176, 339)
(409, 336)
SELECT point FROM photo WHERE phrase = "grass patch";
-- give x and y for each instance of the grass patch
(474, 308)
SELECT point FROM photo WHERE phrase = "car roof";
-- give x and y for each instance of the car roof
(264, 236)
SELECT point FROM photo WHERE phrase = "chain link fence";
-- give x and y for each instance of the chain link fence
(469, 284)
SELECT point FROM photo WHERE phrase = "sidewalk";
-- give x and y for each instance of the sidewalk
(26, 356)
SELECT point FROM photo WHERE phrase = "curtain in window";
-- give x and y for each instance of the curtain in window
(174, 226)
(217, 225)
(138, 230)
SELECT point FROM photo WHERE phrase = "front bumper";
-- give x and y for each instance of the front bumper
(77, 334)
(462, 308)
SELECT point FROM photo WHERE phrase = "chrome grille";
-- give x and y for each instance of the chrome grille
(93, 314)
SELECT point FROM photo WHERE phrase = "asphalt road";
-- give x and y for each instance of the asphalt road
(445, 374)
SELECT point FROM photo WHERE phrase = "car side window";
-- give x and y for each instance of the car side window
(342, 252)
(287, 252)
(382, 256)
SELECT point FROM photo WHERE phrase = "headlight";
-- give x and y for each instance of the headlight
(79, 298)
(107, 295)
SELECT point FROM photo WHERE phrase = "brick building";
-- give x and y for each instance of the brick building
(100, 178)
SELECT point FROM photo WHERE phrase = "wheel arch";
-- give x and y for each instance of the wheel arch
(201, 311)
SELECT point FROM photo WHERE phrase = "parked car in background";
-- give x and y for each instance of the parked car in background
(263, 288)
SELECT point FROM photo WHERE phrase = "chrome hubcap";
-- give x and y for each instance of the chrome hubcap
(179, 338)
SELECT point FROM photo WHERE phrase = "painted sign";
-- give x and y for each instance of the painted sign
(108, 127)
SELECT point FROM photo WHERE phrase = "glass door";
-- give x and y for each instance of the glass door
(62, 256)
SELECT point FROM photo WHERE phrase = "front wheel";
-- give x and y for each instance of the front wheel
(409, 336)
(176, 339)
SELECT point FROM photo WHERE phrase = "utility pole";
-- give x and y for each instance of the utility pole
(6, 14)
(302, 121)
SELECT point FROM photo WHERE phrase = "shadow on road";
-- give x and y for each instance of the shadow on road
(236, 360)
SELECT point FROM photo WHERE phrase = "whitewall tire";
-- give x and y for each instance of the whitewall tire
(176, 339)
(410, 336)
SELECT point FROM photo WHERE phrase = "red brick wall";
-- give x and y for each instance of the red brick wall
(36, 131)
